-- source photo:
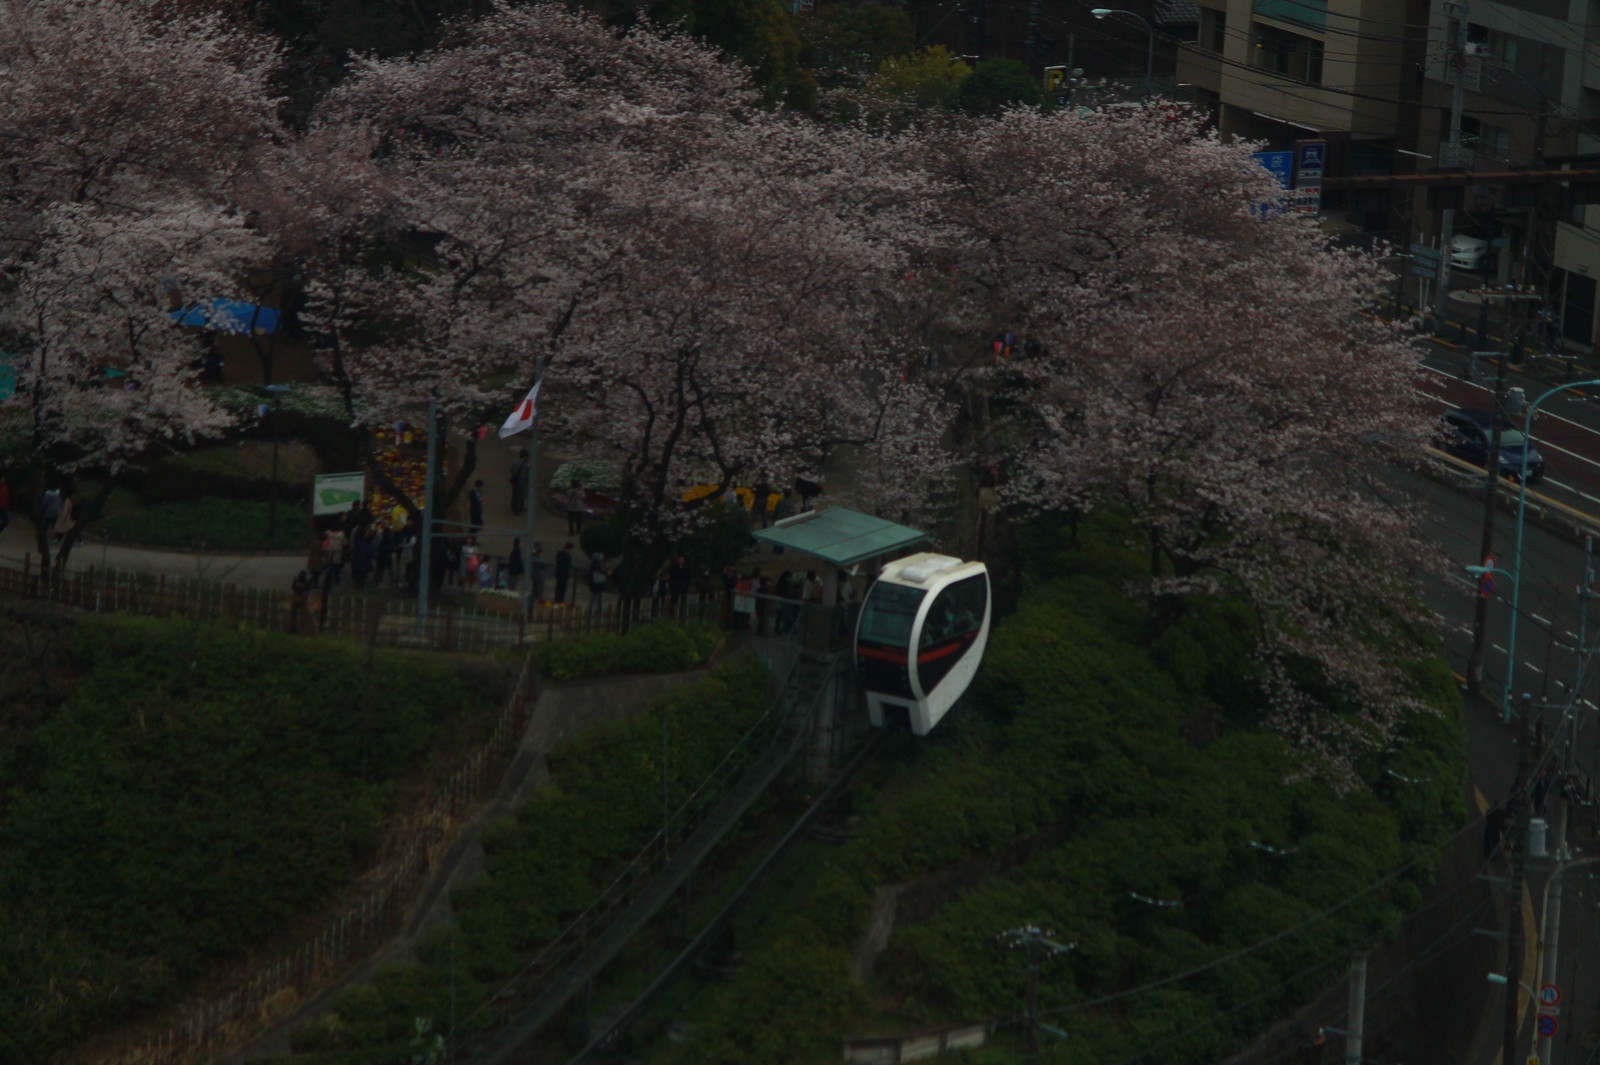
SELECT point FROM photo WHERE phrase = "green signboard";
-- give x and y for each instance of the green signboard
(335, 493)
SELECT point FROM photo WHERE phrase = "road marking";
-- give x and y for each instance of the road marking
(1497, 647)
(1484, 388)
(1575, 491)
(1530, 665)
(1540, 620)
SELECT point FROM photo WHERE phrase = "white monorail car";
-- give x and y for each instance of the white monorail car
(923, 628)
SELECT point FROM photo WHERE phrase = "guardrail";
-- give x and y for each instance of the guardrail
(471, 625)
(1548, 513)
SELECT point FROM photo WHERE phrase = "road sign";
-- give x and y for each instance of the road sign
(1549, 995)
(1422, 251)
(1425, 269)
(1309, 161)
(1279, 164)
(1548, 1026)
(1308, 199)
(1486, 583)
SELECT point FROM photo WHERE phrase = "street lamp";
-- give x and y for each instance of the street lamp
(277, 432)
(1150, 53)
(1516, 558)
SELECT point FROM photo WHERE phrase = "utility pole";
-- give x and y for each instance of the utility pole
(1491, 487)
(1519, 850)
(1456, 61)
(1357, 1016)
(1035, 940)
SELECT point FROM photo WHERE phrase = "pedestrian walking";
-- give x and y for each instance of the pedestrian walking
(475, 507)
(577, 499)
(514, 565)
(563, 571)
(536, 566)
(333, 554)
(519, 482)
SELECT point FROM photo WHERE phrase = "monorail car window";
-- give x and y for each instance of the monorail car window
(888, 613)
(954, 620)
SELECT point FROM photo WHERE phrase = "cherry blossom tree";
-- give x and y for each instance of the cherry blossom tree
(123, 103)
(124, 127)
(705, 279)
(1204, 365)
(105, 372)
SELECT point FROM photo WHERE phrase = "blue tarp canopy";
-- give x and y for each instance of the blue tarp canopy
(229, 316)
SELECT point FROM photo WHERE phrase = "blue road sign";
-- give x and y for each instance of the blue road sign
(1548, 1026)
(1312, 153)
(1279, 164)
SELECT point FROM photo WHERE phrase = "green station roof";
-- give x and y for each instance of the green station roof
(840, 535)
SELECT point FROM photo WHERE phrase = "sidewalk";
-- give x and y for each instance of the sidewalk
(277, 571)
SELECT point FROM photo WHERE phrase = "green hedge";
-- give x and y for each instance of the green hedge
(1089, 765)
(656, 648)
(237, 471)
(546, 864)
(196, 795)
(215, 524)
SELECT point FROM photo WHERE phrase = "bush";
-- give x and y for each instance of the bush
(238, 471)
(657, 648)
(547, 863)
(210, 524)
(196, 795)
(1064, 792)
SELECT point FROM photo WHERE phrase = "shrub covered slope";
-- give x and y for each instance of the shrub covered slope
(1119, 790)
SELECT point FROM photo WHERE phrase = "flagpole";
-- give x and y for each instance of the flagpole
(530, 500)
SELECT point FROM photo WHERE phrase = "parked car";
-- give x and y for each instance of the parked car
(1468, 253)
(1465, 434)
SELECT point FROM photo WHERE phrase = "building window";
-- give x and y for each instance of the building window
(1288, 54)
(1216, 30)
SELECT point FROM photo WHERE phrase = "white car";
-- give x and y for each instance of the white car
(1468, 253)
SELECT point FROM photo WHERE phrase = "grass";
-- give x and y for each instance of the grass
(215, 524)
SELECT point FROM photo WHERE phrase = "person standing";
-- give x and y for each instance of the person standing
(514, 566)
(333, 554)
(519, 482)
(361, 558)
(65, 521)
(475, 507)
(383, 558)
(49, 509)
(536, 566)
(563, 571)
(763, 490)
(298, 593)
(678, 574)
(577, 499)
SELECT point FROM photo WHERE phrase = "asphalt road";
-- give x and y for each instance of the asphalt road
(1558, 630)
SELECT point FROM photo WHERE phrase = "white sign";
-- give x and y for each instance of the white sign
(337, 493)
(1307, 200)
(1549, 995)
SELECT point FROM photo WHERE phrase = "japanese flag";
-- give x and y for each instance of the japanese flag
(523, 416)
